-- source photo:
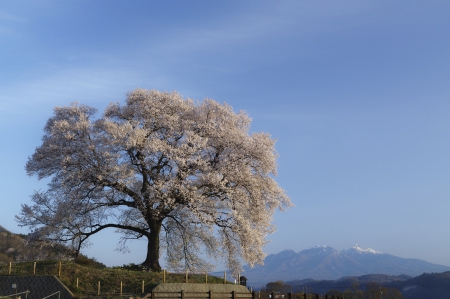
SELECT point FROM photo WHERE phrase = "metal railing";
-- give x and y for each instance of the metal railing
(15, 295)
(59, 295)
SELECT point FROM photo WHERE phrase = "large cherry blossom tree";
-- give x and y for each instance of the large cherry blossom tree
(188, 176)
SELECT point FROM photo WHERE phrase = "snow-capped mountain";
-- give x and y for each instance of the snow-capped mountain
(324, 262)
(357, 249)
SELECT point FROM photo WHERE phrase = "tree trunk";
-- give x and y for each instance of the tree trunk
(152, 259)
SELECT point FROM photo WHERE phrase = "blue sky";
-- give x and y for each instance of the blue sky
(356, 92)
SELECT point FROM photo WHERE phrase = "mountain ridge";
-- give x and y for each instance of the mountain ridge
(327, 263)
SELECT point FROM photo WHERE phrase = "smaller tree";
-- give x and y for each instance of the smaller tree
(375, 291)
(278, 286)
(354, 292)
(4, 259)
(335, 293)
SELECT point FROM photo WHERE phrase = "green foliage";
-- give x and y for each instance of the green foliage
(278, 286)
(335, 293)
(374, 291)
(133, 267)
(89, 262)
(5, 259)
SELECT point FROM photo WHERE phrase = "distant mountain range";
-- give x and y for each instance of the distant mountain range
(327, 263)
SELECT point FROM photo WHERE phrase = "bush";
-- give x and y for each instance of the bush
(133, 267)
(89, 262)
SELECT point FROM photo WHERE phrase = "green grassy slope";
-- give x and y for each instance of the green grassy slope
(110, 279)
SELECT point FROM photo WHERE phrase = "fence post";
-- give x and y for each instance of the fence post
(153, 294)
(206, 277)
(143, 287)
(120, 288)
(290, 295)
(98, 290)
(77, 283)
(253, 295)
(186, 276)
(34, 268)
(224, 277)
(182, 294)
(209, 294)
(59, 270)
(10, 265)
(164, 276)
(233, 295)
(304, 295)
(271, 295)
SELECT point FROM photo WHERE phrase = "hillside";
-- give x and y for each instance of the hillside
(349, 284)
(2, 229)
(427, 285)
(84, 280)
(82, 275)
(16, 248)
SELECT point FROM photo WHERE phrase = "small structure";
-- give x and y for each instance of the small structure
(243, 281)
(199, 291)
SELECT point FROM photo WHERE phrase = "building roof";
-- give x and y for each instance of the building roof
(38, 287)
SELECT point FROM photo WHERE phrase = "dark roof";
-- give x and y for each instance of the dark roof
(39, 286)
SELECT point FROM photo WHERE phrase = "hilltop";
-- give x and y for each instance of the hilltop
(2, 229)
(16, 248)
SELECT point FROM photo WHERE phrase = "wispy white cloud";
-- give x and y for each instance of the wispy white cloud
(4, 17)
(289, 117)
(278, 19)
(8, 23)
(91, 86)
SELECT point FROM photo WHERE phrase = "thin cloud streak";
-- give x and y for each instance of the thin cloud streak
(87, 85)
(276, 20)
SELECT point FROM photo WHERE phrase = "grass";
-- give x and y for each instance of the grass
(88, 278)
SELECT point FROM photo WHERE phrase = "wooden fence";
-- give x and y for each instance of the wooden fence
(233, 295)
(57, 269)
(200, 295)
(277, 295)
